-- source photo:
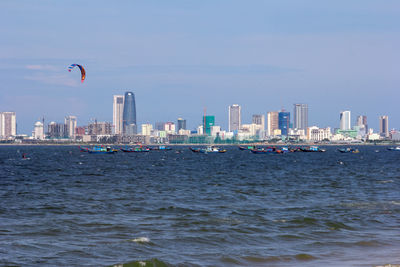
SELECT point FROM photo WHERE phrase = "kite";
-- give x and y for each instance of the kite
(83, 73)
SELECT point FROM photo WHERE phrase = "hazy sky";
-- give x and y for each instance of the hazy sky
(181, 56)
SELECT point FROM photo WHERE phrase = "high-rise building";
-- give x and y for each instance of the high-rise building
(38, 131)
(129, 114)
(57, 130)
(300, 116)
(118, 111)
(8, 125)
(361, 120)
(345, 120)
(208, 122)
(169, 127)
(234, 117)
(259, 119)
(70, 123)
(273, 122)
(181, 124)
(362, 124)
(384, 126)
(284, 122)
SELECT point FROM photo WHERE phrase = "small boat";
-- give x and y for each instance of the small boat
(313, 149)
(209, 149)
(397, 148)
(135, 149)
(101, 150)
(163, 148)
(348, 150)
(268, 150)
(246, 147)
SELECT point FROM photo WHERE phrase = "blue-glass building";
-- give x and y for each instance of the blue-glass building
(129, 114)
(284, 122)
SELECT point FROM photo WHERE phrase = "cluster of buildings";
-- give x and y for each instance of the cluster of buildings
(275, 126)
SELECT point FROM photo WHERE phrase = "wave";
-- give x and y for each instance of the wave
(141, 240)
(143, 263)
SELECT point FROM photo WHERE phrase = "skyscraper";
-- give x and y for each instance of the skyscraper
(70, 124)
(208, 122)
(384, 126)
(234, 117)
(181, 124)
(284, 122)
(345, 122)
(8, 124)
(300, 116)
(273, 122)
(129, 114)
(118, 110)
(362, 123)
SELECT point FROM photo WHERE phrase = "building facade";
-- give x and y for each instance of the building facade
(234, 117)
(208, 122)
(273, 122)
(129, 115)
(8, 125)
(70, 123)
(384, 126)
(181, 124)
(300, 116)
(147, 129)
(345, 120)
(57, 130)
(118, 111)
(38, 131)
(284, 122)
(259, 119)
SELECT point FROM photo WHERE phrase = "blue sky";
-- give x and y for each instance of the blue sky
(181, 56)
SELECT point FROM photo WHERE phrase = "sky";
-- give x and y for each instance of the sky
(180, 57)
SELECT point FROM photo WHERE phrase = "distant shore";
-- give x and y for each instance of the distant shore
(178, 145)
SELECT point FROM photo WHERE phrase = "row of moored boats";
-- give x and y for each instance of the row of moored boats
(216, 149)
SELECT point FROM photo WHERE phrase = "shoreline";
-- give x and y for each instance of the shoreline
(194, 144)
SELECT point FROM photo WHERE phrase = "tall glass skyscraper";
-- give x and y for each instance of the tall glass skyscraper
(345, 123)
(300, 116)
(284, 122)
(129, 114)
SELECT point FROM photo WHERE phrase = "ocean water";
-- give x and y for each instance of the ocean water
(62, 207)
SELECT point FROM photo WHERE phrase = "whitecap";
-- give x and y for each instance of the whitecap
(141, 240)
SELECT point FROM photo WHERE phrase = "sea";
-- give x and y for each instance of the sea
(63, 207)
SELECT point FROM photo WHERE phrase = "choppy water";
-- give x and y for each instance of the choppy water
(62, 207)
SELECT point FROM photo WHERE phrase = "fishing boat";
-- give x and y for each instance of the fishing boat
(135, 149)
(268, 150)
(246, 147)
(348, 150)
(397, 148)
(313, 149)
(101, 150)
(209, 149)
(163, 148)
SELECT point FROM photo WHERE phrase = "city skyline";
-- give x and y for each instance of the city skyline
(186, 58)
